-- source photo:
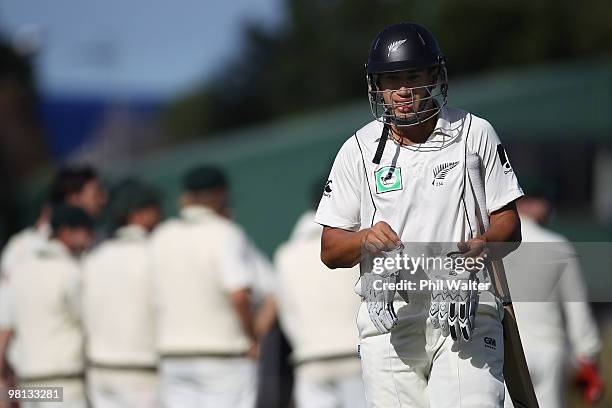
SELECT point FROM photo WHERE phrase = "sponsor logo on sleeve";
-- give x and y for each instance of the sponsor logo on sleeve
(503, 159)
(327, 190)
(388, 178)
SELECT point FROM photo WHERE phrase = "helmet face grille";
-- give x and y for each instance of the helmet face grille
(428, 106)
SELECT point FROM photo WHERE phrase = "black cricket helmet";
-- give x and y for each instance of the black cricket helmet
(404, 47)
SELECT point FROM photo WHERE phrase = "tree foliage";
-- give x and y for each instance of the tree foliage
(21, 142)
(315, 57)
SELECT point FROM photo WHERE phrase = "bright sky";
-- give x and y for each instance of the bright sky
(136, 47)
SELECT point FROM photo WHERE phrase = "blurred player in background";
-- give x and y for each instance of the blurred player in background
(202, 282)
(556, 323)
(44, 311)
(77, 186)
(80, 186)
(317, 310)
(118, 315)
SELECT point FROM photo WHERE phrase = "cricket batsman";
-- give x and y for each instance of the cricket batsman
(402, 179)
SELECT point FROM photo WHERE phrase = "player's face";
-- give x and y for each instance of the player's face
(92, 198)
(148, 217)
(76, 239)
(406, 92)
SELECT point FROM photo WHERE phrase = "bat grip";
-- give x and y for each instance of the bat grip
(474, 168)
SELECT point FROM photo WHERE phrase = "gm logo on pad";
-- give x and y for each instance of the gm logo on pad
(490, 343)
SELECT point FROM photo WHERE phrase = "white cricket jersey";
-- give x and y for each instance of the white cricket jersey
(314, 300)
(118, 313)
(20, 247)
(419, 190)
(198, 260)
(44, 313)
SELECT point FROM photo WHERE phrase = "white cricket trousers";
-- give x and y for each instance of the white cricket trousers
(547, 367)
(122, 388)
(332, 383)
(414, 366)
(203, 382)
(345, 392)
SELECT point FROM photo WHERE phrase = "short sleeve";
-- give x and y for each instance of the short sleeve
(236, 272)
(340, 204)
(501, 184)
(14, 252)
(11, 254)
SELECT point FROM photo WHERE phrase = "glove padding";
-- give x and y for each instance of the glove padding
(380, 302)
(453, 308)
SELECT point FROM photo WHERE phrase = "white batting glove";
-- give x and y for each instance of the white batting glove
(453, 308)
(380, 302)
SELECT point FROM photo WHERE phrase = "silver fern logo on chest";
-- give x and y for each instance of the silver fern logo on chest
(441, 171)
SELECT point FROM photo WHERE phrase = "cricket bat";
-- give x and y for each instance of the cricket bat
(516, 373)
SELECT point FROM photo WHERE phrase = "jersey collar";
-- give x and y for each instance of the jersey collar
(445, 127)
(197, 213)
(56, 248)
(443, 134)
(132, 233)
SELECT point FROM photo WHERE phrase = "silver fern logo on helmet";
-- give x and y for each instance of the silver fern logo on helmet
(394, 47)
